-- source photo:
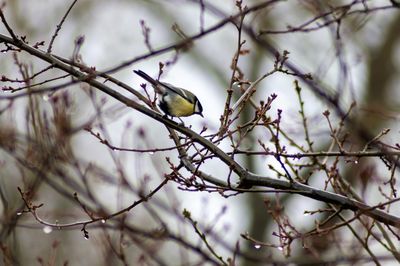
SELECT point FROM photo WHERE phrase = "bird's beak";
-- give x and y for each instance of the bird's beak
(200, 114)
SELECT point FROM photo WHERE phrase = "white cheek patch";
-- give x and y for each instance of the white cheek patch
(196, 108)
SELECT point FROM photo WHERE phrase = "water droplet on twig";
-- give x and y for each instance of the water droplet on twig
(47, 229)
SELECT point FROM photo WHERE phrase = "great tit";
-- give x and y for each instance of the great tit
(176, 102)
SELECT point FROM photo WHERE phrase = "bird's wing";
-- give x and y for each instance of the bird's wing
(162, 86)
(181, 92)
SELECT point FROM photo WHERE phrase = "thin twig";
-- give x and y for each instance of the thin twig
(3, 19)
(58, 28)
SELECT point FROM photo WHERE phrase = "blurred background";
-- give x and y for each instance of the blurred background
(363, 65)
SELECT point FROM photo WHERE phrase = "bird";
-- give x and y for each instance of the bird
(174, 102)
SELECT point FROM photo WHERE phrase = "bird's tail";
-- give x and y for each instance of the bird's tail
(158, 86)
(152, 81)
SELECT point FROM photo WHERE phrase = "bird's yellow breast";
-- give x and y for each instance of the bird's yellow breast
(180, 107)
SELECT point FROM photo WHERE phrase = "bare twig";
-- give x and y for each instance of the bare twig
(58, 28)
(3, 19)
